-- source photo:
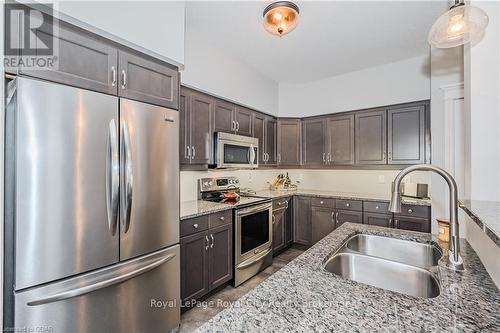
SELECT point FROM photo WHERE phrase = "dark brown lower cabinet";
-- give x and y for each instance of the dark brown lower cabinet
(381, 220)
(194, 266)
(302, 220)
(278, 229)
(289, 223)
(206, 261)
(323, 222)
(412, 223)
(342, 216)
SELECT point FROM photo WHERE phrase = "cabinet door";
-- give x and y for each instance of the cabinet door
(220, 255)
(258, 132)
(289, 142)
(83, 61)
(243, 118)
(371, 137)
(406, 135)
(201, 134)
(313, 142)
(381, 220)
(412, 223)
(223, 117)
(323, 222)
(147, 80)
(340, 138)
(302, 220)
(278, 229)
(184, 128)
(342, 216)
(271, 140)
(289, 223)
(194, 266)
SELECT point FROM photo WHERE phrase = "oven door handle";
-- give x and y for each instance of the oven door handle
(252, 210)
(246, 264)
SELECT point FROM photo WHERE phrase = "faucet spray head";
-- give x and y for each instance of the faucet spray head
(395, 204)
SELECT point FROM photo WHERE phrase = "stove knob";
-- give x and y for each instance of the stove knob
(210, 183)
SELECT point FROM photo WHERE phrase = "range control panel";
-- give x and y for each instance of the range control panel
(218, 184)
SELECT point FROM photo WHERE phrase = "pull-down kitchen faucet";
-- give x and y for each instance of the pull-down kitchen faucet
(454, 257)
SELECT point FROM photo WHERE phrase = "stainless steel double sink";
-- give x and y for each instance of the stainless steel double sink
(393, 264)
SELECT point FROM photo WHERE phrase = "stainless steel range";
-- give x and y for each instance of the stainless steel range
(253, 226)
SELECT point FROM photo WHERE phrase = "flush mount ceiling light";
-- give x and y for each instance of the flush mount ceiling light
(460, 25)
(281, 17)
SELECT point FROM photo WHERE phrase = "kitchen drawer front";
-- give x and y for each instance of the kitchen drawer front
(323, 202)
(376, 207)
(381, 220)
(412, 223)
(415, 211)
(191, 226)
(222, 218)
(281, 203)
(342, 216)
(356, 205)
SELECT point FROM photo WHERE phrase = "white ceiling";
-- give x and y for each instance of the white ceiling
(333, 37)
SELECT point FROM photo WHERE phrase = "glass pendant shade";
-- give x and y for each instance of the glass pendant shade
(460, 25)
(281, 17)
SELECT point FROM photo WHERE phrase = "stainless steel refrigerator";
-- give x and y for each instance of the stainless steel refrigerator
(92, 212)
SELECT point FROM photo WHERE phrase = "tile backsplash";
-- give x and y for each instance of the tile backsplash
(358, 181)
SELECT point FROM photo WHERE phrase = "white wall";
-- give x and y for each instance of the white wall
(347, 181)
(213, 69)
(157, 26)
(398, 82)
(482, 86)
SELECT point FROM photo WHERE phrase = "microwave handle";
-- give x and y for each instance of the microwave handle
(251, 153)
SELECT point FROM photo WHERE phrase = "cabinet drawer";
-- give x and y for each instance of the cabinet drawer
(323, 202)
(356, 205)
(222, 218)
(193, 225)
(381, 220)
(376, 207)
(281, 203)
(415, 211)
(412, 223)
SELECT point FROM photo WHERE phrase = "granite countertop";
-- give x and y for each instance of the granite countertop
(340, 195)
(195, 208)
(486, 214)
(302, 297)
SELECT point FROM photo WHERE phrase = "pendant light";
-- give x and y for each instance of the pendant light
(460, 25)
(281, 17)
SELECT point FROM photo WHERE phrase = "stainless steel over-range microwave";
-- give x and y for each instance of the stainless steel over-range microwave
(235, 151)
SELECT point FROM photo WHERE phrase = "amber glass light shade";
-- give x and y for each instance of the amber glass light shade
(281, 17)
(460, 25)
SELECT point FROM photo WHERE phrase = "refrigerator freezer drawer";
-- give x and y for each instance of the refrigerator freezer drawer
(140, 295)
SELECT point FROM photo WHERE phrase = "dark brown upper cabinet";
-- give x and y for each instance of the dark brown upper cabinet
(340, 140)
(289, 142)
(244, 121)
(231, 118)
(147, 80)
(314, 142)
(406, 135)
(371, 137)
(264, 129)
(195, 128)
(223, 117)
(84, 60)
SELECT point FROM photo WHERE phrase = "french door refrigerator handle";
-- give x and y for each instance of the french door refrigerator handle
(127, 177)
(112, 177)
(59, 296)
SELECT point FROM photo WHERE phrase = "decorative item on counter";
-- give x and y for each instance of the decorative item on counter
(444, 229)
(283, 183)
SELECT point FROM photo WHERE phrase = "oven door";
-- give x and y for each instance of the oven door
(235, 151)
(253, 232)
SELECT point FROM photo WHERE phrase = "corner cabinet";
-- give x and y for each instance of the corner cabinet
(282, 224)
(195, 127)
(289, 142)
(302, 227)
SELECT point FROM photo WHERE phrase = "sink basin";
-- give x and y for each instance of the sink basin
(386, 274)
(403, 251)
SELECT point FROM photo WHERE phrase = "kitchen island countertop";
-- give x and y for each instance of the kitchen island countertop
(303, 297)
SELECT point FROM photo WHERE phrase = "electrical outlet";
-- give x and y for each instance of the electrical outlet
(381, 179)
